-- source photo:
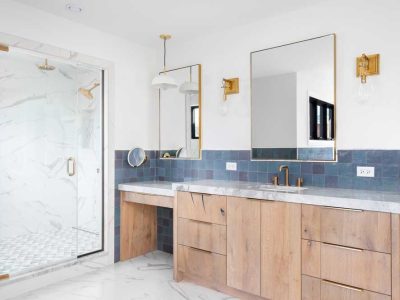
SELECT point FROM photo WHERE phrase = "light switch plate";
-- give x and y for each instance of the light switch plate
(231, 166)
(366, 171)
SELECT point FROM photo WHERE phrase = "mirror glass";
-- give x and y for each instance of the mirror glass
(180, 112)
(293, 101)
(136, 157)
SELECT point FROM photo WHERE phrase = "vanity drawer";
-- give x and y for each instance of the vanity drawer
(334, 291)
(205, 236)
(202, 207)
(311, 258)
(346, 227)
(358, 268)
(202, 264)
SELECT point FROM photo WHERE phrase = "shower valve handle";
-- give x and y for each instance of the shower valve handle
(71, 166)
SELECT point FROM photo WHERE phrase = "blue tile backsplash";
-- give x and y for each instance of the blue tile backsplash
(340, 174)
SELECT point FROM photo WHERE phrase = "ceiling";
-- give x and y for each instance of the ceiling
(143, 21)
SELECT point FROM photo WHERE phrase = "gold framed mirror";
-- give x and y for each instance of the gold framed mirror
(180, 115)
(293, 101)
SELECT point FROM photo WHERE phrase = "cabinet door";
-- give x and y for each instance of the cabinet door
(243, 244)
(280, 250)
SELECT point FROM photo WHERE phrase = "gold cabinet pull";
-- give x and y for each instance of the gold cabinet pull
(198, 249)
(345, 209)
(71, 166)
(343, 247)
(343, 286)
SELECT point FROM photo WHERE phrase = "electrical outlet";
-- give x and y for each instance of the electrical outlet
(231, 166)
(366, 171)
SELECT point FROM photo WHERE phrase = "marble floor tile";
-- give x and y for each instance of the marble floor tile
(145, 277)
(33, 251)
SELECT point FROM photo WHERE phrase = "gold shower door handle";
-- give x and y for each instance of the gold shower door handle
(71, 166)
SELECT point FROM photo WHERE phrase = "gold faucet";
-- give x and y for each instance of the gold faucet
(286, 168)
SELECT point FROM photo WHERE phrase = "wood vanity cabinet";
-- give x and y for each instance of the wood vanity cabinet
(264, 253)
(258, 249)
(201, 238)
(244, 244)
(280, 250)
(349, 254)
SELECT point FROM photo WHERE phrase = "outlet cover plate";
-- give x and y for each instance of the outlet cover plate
(366, 171)
(231, 166)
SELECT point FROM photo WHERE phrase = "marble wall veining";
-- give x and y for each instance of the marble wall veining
(43, 122)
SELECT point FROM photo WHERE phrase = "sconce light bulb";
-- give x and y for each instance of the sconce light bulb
(363, 79)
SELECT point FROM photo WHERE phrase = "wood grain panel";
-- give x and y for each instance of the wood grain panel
(205, 236)
(203, 264)
(359, 268)
(138, 229)
(156, 200)
(333, 291)
(395, 257)
(201, 207)
(243, 244)
(359, 229)
(310, 222)
(310, 288)
(176, 274)
(311, 258)
(280, 250)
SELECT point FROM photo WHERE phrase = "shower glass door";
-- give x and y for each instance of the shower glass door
(50, 162)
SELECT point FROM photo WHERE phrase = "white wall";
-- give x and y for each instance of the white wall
(274, 119)
(135, 65)
(361, 26)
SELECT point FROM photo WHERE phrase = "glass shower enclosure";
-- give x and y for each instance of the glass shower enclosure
(51, 161)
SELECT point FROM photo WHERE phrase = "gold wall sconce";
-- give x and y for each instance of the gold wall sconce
(367, 65)
(230, 86)
(4, 48)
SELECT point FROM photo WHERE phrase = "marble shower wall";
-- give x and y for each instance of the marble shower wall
(42, 123)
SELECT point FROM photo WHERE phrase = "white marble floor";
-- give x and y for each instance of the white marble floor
(145, 277)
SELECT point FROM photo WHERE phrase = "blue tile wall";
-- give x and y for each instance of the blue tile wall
(164, 229)
(340, 174)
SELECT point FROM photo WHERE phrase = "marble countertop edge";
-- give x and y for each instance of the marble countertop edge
(341, 198)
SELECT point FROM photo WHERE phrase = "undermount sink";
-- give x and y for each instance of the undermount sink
(280, 188)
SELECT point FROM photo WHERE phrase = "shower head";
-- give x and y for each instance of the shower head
(46, 66)
(88, 92)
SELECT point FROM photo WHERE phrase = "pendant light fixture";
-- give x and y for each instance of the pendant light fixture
(189, 87)
(163, 81)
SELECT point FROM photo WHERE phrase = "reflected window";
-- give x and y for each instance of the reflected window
(195, 122)
(321, 120)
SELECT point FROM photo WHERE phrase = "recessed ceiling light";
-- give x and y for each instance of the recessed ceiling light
(74, 8)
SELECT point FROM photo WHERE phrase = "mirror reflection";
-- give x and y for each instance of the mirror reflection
(180, 111)
(293, 101)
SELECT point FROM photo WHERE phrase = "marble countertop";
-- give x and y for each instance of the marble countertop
(345, 198)
(162, 188)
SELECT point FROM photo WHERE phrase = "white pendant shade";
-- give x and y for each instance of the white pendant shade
(189, 88)
(164, 82)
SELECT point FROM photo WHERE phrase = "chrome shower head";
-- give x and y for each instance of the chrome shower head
(46, 66)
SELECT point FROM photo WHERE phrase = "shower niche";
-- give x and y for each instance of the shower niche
(51, 161)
